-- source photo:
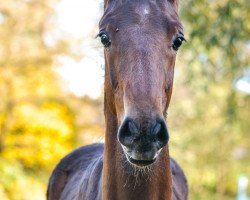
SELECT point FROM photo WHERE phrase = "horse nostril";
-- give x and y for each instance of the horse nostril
(133, 129)
(156, 129)
(160, 133)
(127, 133)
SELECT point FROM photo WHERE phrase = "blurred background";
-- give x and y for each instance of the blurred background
(51, 99)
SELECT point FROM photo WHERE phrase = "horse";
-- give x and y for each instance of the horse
(141, 39)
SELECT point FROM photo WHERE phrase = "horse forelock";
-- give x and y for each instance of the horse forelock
(141, 9)
(119, 2)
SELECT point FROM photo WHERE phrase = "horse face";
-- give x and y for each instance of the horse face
(141, 41)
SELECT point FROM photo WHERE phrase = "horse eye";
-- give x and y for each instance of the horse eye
(178, 42)
(105, 39)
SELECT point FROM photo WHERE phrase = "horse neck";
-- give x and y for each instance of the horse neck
(123, 181)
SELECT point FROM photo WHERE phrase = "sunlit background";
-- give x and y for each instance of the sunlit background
(51, 87)
(79, 19)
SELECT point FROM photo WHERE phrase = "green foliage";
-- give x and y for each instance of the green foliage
(210, 124)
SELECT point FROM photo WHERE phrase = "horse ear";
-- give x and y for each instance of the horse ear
(175, 3)
(106, 2)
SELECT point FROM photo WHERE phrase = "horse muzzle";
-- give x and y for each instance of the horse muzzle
(142, 144)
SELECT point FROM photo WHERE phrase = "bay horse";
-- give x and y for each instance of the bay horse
(141, 39)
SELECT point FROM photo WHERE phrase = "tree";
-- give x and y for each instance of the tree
(34, 118)
(213, 118)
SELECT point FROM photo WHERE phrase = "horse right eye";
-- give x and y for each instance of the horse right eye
(105, 39)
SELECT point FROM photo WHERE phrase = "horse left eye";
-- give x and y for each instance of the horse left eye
(178, 42)
(105, 38)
